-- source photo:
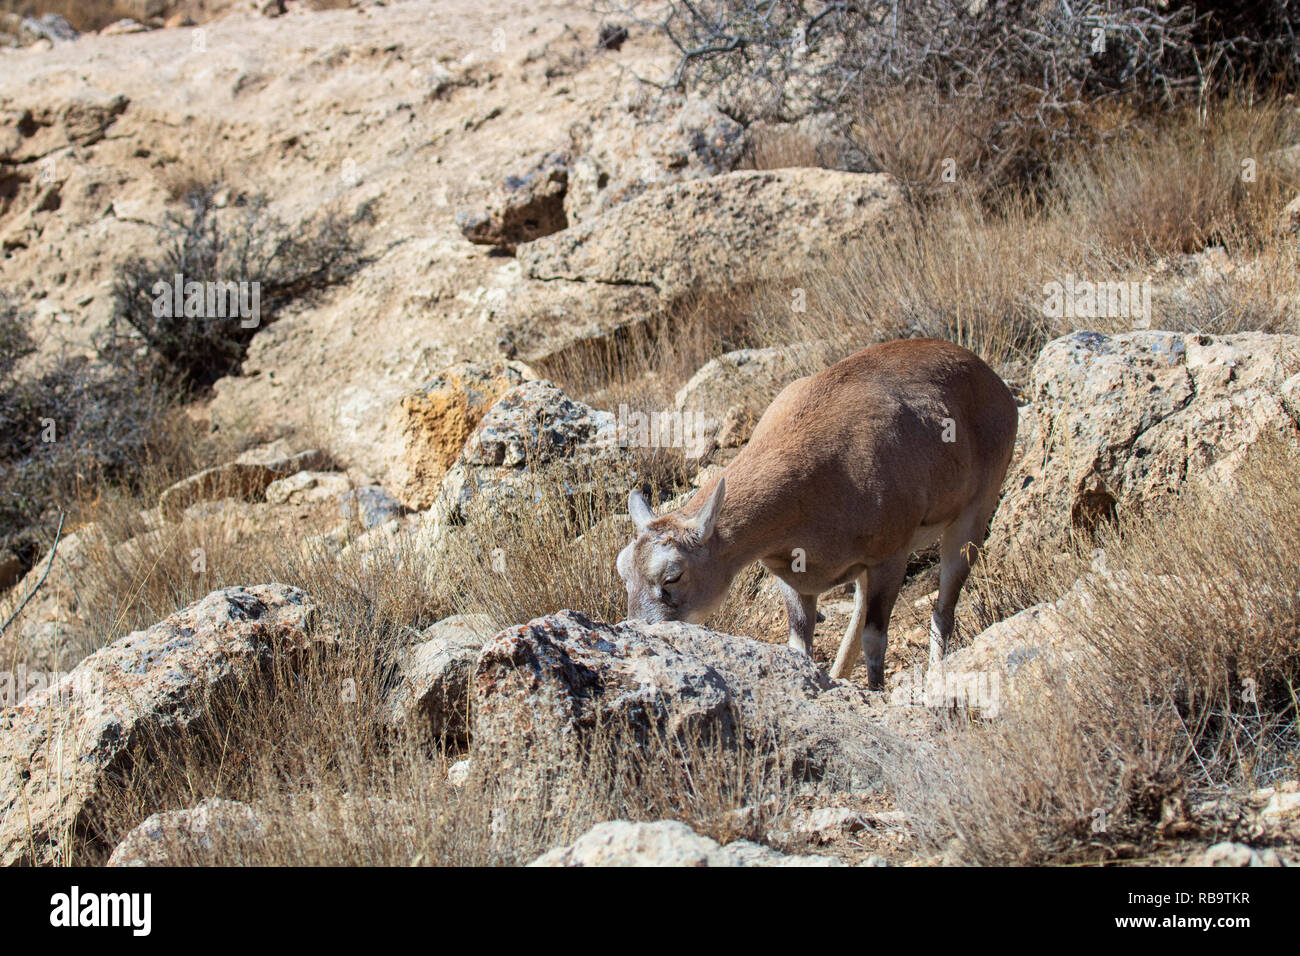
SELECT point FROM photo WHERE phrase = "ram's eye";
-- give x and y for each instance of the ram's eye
(674, 579)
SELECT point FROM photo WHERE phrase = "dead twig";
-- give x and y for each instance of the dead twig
(44, 574)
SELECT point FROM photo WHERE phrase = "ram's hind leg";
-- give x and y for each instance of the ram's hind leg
(851, 646)
(877, 590)
(958, 549)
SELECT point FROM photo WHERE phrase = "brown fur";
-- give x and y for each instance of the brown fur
(847, 468)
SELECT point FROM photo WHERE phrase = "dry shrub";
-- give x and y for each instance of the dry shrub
(955, 272)
(787, 145)
(1179, 185)
(926, 142)
(311, 748)
(199, 172)
(1182, 675)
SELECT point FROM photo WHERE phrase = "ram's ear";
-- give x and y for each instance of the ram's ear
(639, 509)
(707, 516)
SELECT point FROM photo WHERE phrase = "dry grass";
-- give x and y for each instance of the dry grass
(1191, 181)
(337, 789)
(1183, 677)
(782, 146)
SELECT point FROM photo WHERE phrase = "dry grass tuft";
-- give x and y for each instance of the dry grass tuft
(1182, 677)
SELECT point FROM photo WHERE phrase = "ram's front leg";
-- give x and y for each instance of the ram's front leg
(802, 611)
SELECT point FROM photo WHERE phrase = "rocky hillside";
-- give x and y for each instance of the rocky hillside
(401, 564)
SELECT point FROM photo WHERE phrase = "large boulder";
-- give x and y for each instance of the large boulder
(430, 426)
(1122, 422)
(743, 224)
(737, 387)
(63, 748)
(665, 843)
(551, 687)
(530, 427)
(639, 258)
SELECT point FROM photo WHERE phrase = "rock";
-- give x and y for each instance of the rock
(1283, 807)
(665, 843)
(245, 479)
(523, 208)
(123, 27)
(307, 487)
(637, 145)
(640, 257)
(52, 27)
(45, 629)
(372, 505)
(62, 748)
(1236, 854)
(738, 225)
(827, 823)
(531, 426)
(215, 833)
(737, 426)
(979, 678)
(1123, 422)
(82, 118)
(430, 426)
(432, 691)
(551, 684)
(742, 384)
(458, 773)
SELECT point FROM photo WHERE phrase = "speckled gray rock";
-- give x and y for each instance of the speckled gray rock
(60, 748)
(431, 695)
(530, 426)
(214, 833)
(665, 843)
(1122, 422)
(1236, 854)
(554, 682)
(372, 505)
(428, 428)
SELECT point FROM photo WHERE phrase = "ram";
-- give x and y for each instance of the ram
(848, 472)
